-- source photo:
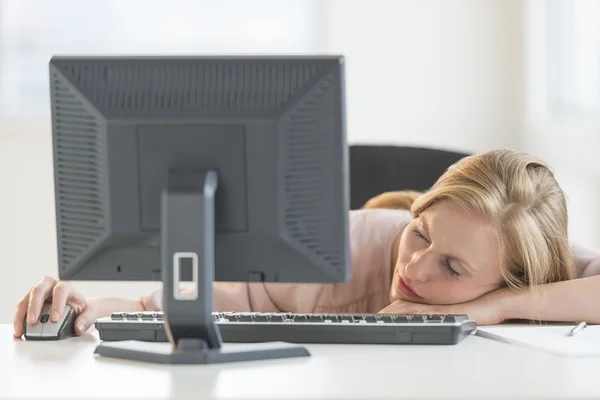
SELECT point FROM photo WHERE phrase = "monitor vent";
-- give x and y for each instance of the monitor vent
(189, 84)
(79, 166)
(311, 190)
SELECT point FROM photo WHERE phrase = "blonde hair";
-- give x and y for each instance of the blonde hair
(401, 200)
(520, 196)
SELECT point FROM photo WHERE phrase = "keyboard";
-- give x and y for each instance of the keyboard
(253, 327)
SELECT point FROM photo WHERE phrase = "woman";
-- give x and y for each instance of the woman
(489, 239)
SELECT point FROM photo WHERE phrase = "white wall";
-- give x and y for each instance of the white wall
(432, 72)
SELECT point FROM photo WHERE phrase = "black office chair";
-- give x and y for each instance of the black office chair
(376, 169)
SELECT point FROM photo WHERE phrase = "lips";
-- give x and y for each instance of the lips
(405, 289)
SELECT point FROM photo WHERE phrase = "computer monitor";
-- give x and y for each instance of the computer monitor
(200, 169)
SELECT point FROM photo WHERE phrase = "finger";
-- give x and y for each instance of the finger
(37, 296)
(84, 321)
(60, 295)
(402, 308)
(393, 309)
(385, 310)
(19, 317)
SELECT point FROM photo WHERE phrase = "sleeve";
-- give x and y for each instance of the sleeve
(587, 260)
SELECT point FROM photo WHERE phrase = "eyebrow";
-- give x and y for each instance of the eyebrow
(450, 256)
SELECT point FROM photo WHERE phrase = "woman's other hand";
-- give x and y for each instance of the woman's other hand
(61, 293)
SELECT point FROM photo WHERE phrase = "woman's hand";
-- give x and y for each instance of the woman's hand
(488, 309)
(62, 293)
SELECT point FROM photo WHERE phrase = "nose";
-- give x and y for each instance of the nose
(421, 267)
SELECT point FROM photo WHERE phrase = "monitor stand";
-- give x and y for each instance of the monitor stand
(188, 233)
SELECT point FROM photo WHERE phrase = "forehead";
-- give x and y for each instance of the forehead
(466, 235)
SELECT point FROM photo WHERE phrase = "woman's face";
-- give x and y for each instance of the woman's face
(446, 256)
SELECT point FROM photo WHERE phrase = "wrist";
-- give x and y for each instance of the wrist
(511, 303)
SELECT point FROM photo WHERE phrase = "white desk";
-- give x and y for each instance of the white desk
(477, 368)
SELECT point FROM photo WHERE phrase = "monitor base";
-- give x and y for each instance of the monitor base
(194, 351)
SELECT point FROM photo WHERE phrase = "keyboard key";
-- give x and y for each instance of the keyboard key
(246, 318)
(147, 316)
(300, 318)
(261, 318)
(315, 318)
(276, 318)
(386, 318)
(371, 318)
(118, 315)
(455, 318)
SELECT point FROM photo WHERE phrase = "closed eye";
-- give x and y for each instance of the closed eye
(420, 235)
(449, 268)
(446, 260)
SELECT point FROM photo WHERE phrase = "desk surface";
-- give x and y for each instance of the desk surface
(477, 368)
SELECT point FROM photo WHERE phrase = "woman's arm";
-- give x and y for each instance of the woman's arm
(569, 301)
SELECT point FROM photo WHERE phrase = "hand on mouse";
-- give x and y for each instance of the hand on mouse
(62, 293)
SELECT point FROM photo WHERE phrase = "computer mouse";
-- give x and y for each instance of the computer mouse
(46, 329)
